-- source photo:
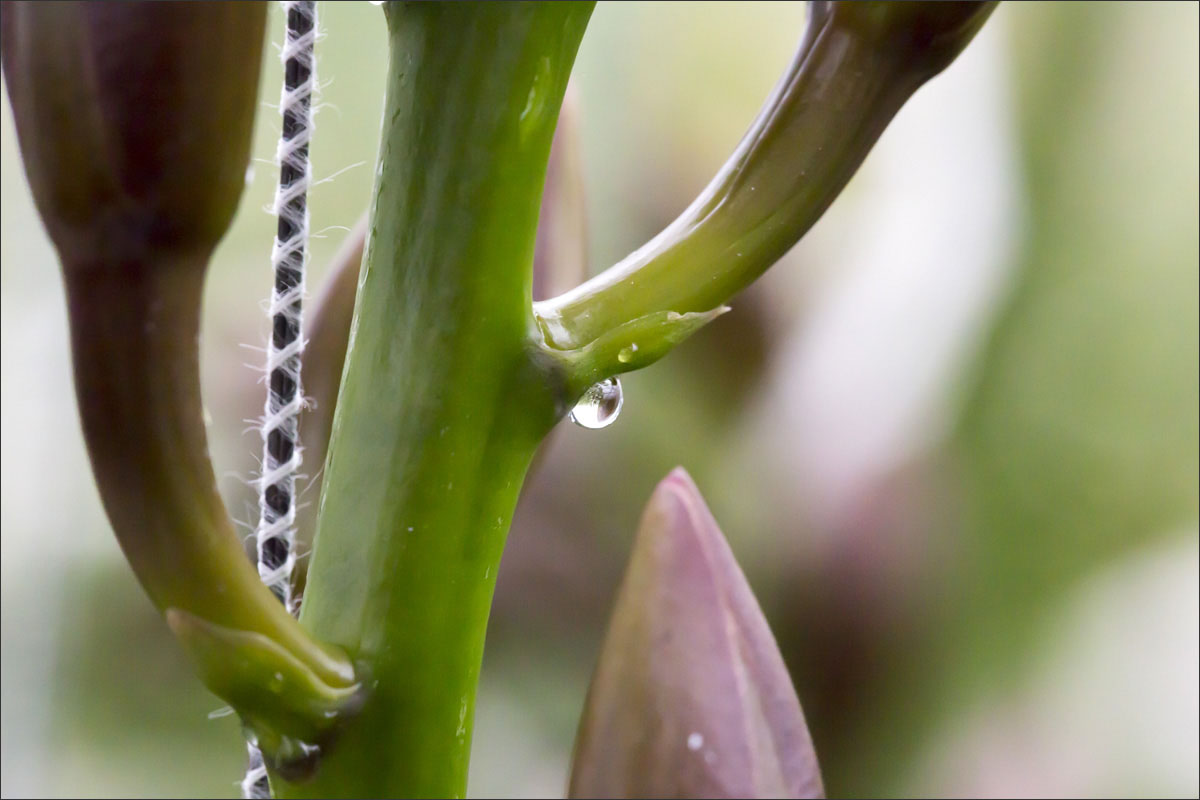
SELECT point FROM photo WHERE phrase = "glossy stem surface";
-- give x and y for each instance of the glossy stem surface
(857, 65)
(135, 350)
(441, 404)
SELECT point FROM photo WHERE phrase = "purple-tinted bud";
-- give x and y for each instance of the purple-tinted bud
(134, 120)
(691, 697)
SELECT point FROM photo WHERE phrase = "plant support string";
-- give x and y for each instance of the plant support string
(275, 534)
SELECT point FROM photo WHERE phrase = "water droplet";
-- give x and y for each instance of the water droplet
(695, 741)
(626, 354)
(376, 2)
(250, 173)
(599, 406)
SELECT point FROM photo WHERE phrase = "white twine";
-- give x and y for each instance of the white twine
(255, 785)
(276, 533)
(279, 430)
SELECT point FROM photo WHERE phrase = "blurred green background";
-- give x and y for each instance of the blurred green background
(952, 437)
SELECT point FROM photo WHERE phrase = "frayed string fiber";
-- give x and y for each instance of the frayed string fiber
(255, 785)
(281, 450)
(275, 534)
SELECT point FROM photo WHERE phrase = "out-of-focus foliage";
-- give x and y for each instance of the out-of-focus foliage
(954, 447)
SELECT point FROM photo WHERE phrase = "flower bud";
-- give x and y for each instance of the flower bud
(134, 120)
(691, 697)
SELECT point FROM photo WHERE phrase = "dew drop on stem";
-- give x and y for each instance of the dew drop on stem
(599, 406)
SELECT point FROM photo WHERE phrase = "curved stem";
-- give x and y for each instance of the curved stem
(134, 341)
(135, 123)
(857, 66)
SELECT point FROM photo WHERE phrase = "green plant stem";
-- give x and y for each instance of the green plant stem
(858, 64)
(442, 402)
(328, 331)
(134, 342)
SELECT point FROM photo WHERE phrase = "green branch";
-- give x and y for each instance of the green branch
(857, 65)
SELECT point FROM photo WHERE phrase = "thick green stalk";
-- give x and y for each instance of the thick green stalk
(442, 401)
